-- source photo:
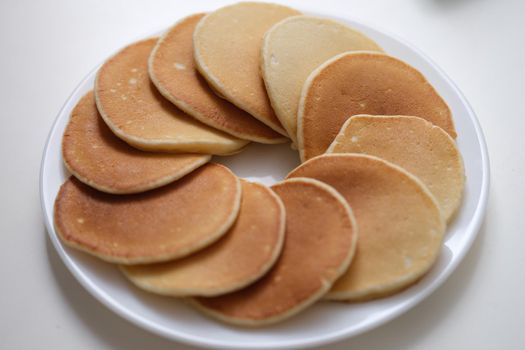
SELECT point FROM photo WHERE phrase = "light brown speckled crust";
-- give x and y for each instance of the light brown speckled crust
(244, 254)
(227, 45)
(103, 161)
(154, 226)
(320, 241)
(401, 228)
(363, 83)
(172, 70)
(292, 49)
(136, 112)
(413, 143)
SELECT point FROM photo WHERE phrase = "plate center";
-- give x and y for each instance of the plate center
(266, 164)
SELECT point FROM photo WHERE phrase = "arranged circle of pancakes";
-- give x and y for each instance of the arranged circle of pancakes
(227, 46)
(363, 83)
(172, 70)
(418, 146)
(401, 227)
(101, 160)
(292, 49)
(136, 112)
(375, 138)
(162, 224)
(244, 254)
(319, 245)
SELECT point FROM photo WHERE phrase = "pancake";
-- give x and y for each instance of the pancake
(227, 49)
(292, 49)
(243, 255)
(400, 224)
(423, 149)
(320, 241)
(172, 70)
(154, 226)
(363, 83)
(137, 113)
(101, 160)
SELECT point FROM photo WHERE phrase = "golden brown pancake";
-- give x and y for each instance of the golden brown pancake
(319, 245)
(137, 113)
(154, 226)
(227, 49)
(423, 149)
(172, 70)
(244, 254)
(103, 161)
(292, 49)
(400, 224)
(363, 83)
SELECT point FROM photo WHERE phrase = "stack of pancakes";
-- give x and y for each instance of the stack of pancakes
(363, 217)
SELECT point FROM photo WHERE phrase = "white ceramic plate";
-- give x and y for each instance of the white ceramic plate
(323, 323)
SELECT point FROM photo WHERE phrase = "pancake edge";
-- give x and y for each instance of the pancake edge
(215, 82)
(203, 159)
(211, 292)
(162, 145)
(313, 75)
(162, 181)
(304, 94)
(405, 281)
(159, 258)
(186, 108)
(448, 216)
(325, 284)
(265, 66)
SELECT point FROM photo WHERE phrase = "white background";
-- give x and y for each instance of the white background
(47, 47)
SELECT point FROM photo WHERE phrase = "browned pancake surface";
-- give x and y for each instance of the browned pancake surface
(136, 112)
(153, 226)
(416, 145)
(363, 83)
(172, 70)
(100, 159)
(292, 49)
(244, 254)
(227, 52)
(319, 244)
(400, 224)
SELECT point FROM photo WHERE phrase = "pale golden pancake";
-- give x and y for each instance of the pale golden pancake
(292, 49)
(154, 226)
(244, 254)
(137, 113)
(227, 49)
(172, 70)
(418, 146)
(363, 83)
(320, 241)
(101, 160)
(400, 224)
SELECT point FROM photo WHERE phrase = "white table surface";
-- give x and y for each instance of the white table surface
(47, 47)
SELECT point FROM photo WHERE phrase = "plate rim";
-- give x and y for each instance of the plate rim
(471, 230)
